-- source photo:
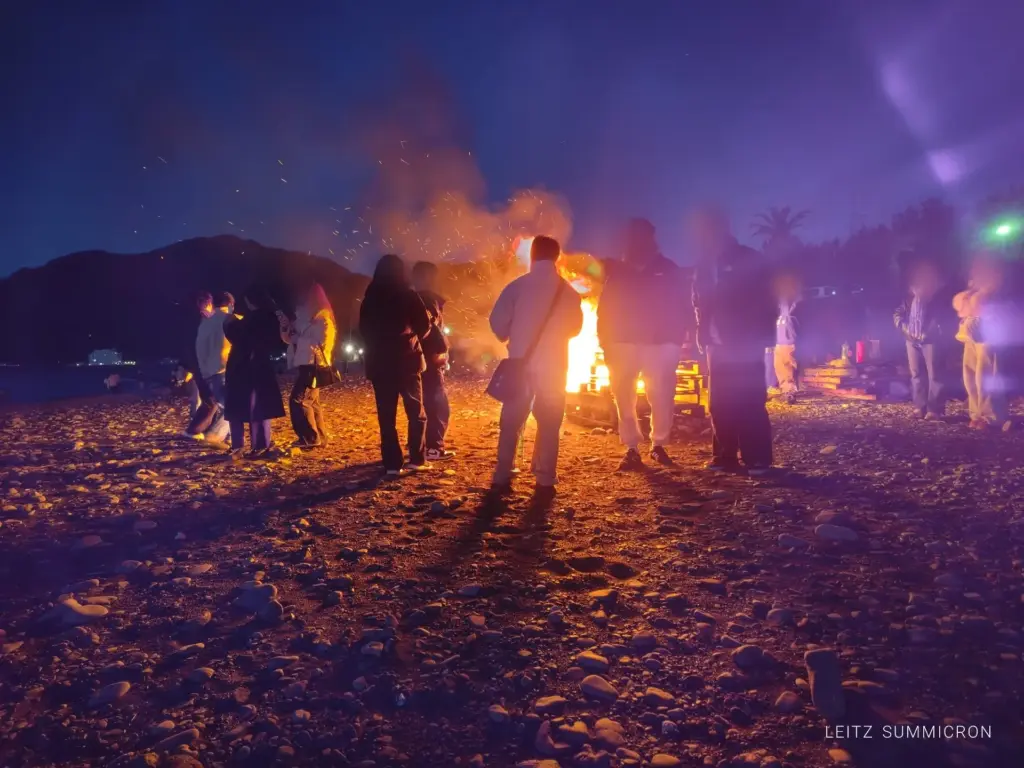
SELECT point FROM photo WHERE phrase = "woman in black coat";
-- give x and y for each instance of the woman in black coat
(252, 394)
(392, 320)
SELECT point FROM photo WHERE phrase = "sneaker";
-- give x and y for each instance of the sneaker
(920, 414)
(410, 467)
(660, 455)
(439, 454)
(631, 462)
(758, 471)
(980, 424)
(720, 466)
(930, 416)
(235, 454)
(198, 437)
(395, 473)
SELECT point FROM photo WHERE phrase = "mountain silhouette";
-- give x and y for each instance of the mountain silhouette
(143, 305)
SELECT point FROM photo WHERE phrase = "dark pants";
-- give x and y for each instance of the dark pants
(259, 431)
(386, 391)
(259, 435)
(304, 407)
(435, 402)
(926, 377)
(739, 418)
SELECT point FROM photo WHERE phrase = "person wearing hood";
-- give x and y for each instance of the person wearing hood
(310, 338)
(392, 324)
(536, 315)
(736, 311)
(252, 394)
(641, 326)
(435, 352)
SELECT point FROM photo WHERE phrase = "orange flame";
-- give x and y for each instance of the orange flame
(587, 369)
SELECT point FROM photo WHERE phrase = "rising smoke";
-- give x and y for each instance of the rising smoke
(427, 200)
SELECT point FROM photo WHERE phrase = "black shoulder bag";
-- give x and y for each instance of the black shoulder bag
(509, 379)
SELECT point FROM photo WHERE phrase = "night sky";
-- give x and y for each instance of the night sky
(130, 125)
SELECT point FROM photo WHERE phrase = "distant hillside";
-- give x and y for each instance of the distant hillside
(142, 304)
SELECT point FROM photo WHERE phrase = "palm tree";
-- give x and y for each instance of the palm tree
(777, 226)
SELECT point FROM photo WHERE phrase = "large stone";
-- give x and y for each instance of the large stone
(788, 702)
(72, 613)
(792, 542)
(592, 662)
(549, 705)
(655, 697)
(749, 657)
(826, 680)
(109, 693)
(835, 533)
(598, 688)
(255, 596)
(665, 761)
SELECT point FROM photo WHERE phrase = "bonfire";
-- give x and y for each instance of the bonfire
(587, 369)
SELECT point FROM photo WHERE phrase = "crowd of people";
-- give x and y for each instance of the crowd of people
(981, 318)
(738, 308)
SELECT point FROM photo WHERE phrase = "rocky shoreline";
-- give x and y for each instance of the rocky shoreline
(164, 607)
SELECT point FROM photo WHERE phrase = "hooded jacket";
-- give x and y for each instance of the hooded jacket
(643, 304)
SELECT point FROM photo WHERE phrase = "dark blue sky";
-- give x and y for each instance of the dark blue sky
(129, 125)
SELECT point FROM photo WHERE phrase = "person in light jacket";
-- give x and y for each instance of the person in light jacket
(982, 324)
(252, 394)
(435, 352)
(641, 324)
(310, 339)
(517, 319)
(392, 323)
(212, 348)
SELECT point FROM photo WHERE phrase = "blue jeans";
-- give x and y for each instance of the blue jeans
(259, 435)
(926, 385)
(548, 408)
(218, 429)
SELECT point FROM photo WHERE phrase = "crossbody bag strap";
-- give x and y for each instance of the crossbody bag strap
(547, 318)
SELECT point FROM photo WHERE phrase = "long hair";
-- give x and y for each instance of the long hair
(316, 300)
(390, 269)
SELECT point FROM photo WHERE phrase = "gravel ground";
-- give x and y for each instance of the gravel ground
(160, 606)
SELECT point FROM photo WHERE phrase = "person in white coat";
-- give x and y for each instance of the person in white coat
(310, 338)
(212, 349)
(539, 310)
